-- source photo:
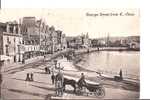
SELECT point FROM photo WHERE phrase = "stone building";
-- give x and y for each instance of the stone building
(80, 41)
(63, 42)
(54, 39)
(31, 38)
(44, 35)
(86, 41)
(59, 39)
(11, 43)
(71, 42)
(35, 35)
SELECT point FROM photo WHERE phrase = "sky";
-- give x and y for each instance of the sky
(74, 22)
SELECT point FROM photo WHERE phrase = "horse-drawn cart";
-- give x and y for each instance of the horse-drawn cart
(90, 88)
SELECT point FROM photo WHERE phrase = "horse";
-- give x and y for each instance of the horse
(70, 82)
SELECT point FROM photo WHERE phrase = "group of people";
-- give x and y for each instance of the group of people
(57, 78)
(29, 77)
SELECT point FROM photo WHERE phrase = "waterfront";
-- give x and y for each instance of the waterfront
(110, 62)
(15, 86)
(42, 55)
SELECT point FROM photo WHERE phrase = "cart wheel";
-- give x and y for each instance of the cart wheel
(97, 92)
(100, 92)
(78, 92)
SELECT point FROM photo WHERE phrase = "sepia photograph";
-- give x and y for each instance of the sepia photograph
(69, 53)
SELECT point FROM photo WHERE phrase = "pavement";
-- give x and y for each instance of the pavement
(14, 85)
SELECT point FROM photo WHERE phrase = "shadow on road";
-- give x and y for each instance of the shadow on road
(45, 88)
(40, 73)
(32, 81)
(27, 92)
(53, 89)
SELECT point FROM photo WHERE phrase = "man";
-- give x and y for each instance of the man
(28, 77)
(0, 83)
(120, 73)
(59, 79)
(82, 81)
(52, 78)
(31, 78)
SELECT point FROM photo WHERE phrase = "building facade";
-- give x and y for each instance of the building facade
(63, 42)
(31, 38)
(12, 47)
(36, 36)
(54, 46)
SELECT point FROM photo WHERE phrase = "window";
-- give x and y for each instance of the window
(7, 39)
(7, 53)
(11, 29)
(17, 30)
(14, 40)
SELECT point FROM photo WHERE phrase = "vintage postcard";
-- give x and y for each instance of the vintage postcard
(69, 53)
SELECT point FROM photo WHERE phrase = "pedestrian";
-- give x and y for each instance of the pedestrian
(28, 77)
(23, 61)
(82, 81)
(59, 79)
(53, 78)
(49, 72)
(46, 70)
(1, 80)
(120, 73)
(31, 78)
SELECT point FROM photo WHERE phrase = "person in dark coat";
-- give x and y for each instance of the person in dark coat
(1, 80)
(28, 77)
(46, 70)
(82, 81)
(120, 73)
(31, 79)
(53, 78)
(59, 79)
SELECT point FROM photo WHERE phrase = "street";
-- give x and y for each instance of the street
(14, 85)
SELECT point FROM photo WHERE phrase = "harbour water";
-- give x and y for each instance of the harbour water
(110, 62)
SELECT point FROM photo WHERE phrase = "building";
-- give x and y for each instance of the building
(87, 42)
(36, 36)
(59, 37)
(11, 43)
(31, 37)
(44, 35)
(63, 42)
(80, 41)
(53, 39)
(71, 42)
